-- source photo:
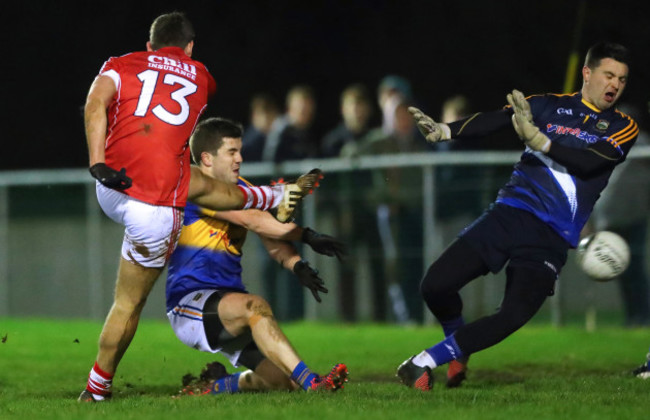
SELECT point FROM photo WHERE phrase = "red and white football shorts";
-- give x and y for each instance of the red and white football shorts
(151, 232)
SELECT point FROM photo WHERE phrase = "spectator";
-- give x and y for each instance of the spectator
(356, 111)
(264, 112)
(291, 138)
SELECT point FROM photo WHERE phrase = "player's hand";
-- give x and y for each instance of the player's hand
(323, 244)
(109, 177)
(432, 131)
(308, 277)
(522, 121)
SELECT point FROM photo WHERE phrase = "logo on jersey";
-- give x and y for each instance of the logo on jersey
(565, 111)
(168, 64)
(602, 125)
(576, 132)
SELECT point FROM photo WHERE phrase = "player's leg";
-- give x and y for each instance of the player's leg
(456, 266)
(150, 236)
(240, 313)
(526, 290)
(133, 285)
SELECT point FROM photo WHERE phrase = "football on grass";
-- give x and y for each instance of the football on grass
(603, 255)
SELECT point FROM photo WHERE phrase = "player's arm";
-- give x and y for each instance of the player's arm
(99, 98)
(286, 254)
(264, 224)
(594, 159)
(475, 125)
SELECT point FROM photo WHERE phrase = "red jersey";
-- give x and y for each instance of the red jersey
(160, 97)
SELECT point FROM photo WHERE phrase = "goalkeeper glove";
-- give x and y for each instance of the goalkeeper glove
(522, 121)
(323, 244)
(431, 130)
(109, 177)
(308, 277)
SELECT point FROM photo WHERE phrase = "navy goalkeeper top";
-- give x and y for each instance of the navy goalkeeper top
(562, 186)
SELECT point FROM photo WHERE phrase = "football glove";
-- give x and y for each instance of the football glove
(109, 177)
(432, 131)
(323, 244)
(522, 121)
(308, 277)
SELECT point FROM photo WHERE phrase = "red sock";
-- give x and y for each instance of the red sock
(99, 382)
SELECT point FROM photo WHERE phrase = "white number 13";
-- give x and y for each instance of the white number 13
(149, 79)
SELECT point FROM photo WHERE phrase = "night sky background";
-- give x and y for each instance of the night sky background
(53, 50)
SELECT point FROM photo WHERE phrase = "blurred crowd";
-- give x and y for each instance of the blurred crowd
(377, 213)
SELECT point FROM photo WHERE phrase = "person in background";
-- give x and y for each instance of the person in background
(264, 113)
(291, 137)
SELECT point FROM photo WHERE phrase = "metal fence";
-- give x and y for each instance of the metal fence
(59, 253)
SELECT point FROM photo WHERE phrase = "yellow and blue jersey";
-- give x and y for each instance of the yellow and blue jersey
(546, 188)
(207, 256)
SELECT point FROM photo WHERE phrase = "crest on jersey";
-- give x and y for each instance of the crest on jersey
(602, 125)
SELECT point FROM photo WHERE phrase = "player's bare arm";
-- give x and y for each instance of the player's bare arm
(262, 223)
(100, 95)
(286, 255)
(212, 193)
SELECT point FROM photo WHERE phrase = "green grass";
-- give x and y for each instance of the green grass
(539, 373)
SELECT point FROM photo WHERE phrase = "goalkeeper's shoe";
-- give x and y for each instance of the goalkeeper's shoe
(87, 396)
(415, 376)
(294, 192)
(643, 371)
(457, 372)
(334, 380)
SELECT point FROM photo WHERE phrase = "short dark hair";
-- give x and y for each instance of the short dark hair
(209, 134)
(171, 30)
(606, 50)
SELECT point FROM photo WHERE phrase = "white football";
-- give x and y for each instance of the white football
(603, 255)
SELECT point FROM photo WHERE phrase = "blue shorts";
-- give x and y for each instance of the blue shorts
(504, 233)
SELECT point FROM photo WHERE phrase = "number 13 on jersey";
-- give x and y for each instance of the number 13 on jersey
(149, 78)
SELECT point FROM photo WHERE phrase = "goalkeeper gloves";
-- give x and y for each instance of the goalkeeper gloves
(323, 244)
(432, 131)
(522, 121)
(308, 277)
(109, 177)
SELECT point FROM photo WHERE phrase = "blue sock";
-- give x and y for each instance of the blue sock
(302, 375)
(450, 326)
(445, 351)
(228, 384)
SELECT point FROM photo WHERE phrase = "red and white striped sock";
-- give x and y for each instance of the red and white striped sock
(100, 383)
(263, 198)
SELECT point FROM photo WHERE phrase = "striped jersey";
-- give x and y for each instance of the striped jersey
(208, 254)
(544, 187)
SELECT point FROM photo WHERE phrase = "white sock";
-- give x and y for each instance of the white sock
(424, 359)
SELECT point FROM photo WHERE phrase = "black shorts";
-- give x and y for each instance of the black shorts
(504, 233)
(217, 335)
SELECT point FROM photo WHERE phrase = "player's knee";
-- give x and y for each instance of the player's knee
(258, 308)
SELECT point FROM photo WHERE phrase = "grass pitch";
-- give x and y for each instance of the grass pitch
(540, 372)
